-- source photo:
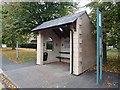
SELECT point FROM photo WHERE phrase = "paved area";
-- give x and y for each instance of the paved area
(56, 75)
(53, 75)
(6, 64)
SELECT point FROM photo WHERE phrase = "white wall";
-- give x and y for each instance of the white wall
(40, 48)
(63, 49)
(4, 45)
(88, 44)
(84, 45)
(56, 48)
(77, 68)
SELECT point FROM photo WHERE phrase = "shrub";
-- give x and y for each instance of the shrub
(28, 45)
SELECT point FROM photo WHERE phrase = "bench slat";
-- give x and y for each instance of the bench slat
(64, 52)
(62, 57)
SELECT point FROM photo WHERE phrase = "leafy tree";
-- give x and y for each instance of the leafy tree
(110, 23)
(12, 31)
(20, 18)
(0, 26)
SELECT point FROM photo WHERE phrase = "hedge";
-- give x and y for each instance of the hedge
(28, 45)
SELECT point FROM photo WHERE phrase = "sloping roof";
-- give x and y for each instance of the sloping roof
(59, 21)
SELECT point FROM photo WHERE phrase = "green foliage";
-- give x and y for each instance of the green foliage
(110, 20)
(12, 30)
(0, 26)
(113, 60)
(21, 17)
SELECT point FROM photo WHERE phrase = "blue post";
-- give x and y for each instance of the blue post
(99, 47)
(101, 58)
(100, 26)
(97, 59)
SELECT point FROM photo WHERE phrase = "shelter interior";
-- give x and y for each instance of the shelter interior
(56, 42)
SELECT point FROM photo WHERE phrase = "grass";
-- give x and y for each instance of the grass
(112, 62)
(25, 55)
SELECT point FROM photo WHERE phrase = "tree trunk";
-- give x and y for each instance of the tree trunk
(104, 48)
(13, 48)
(13, 45)
(104, 53)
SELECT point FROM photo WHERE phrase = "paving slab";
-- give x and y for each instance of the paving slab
(56, 75)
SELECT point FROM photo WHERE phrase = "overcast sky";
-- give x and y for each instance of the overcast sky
(82, 3)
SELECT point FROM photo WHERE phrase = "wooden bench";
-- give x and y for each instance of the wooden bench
(61, 57)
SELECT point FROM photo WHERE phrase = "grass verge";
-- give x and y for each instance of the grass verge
(24, 54)
(113, 61)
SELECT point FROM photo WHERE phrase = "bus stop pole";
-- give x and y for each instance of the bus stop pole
(97, 58)
(100, 28)
(17, 50)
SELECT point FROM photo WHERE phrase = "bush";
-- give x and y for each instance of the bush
(29, 45)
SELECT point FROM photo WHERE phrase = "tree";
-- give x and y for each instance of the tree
(20, 18)
(110, 23)
(12, 31)
(0, 26)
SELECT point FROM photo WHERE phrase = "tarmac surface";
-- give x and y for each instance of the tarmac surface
(7, 65)
(54, 75)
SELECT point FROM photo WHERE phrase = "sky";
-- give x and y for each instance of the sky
(82, 3)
